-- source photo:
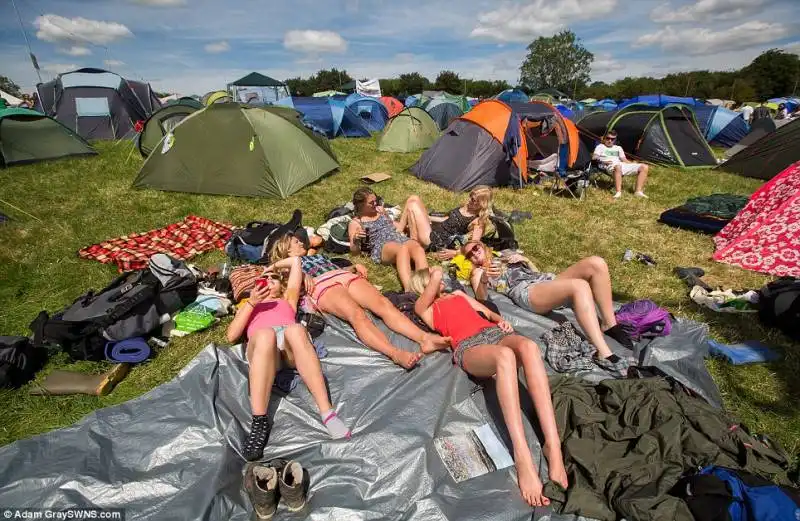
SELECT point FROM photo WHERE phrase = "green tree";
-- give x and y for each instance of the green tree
(773, 74)
(450, 82)
(7, 85)
(413, 83)
(558, 61)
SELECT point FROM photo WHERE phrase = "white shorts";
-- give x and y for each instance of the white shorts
(627, 168)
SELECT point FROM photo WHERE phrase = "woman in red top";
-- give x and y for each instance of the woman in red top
(485, 348)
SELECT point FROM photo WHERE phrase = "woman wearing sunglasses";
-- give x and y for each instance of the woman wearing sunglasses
(276, 339)
(371, 230)
(584, 284)
(438, 233)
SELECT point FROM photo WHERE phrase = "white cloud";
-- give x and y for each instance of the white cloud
(699, 40)
(705, 10)
(522, 23)
(217, 47)
(314, 41)
(76, 50)
(161, 3)
(605, 63)
(54, 28)
(58, 68)
(792, 48)
(113, 63)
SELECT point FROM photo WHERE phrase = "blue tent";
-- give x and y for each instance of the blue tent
(411, 101)
(566, 111)
(659, 100)
(443, 112)
(606, 104)
(720, 126)
(512, 95)
(328, 116)
(372, 112)
(791, 103)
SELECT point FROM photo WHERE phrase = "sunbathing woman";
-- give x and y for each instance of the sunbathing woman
(437, 233)
(275, 339)
(485, 348)
(346, 295)
(383, 237)
(583, 284)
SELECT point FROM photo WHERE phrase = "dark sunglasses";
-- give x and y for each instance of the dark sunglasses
(609, 138)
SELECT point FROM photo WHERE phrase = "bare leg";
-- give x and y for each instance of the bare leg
(399, 255)
(546, 296)
(368, 297)
(594, 270)
(641, 177)
(262, 355)
(416, 220)
(417, 253)
(338, 302)
(618, 178)
(303, 356)
(528, 354)
(487, 360)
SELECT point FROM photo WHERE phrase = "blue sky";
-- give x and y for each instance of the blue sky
(193, 46)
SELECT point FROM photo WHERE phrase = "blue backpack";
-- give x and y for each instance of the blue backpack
(723, 494)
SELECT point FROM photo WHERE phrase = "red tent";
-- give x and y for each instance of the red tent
(393, 105)
(765, 235)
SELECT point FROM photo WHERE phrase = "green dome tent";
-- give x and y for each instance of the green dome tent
(27, 136)
(162, 121)
(412, 129)
(237, 149)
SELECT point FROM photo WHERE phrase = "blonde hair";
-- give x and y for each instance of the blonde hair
(483, 195)
(280, 250)
(419, 281)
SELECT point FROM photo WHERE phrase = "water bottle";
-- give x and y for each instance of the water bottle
(224, 271)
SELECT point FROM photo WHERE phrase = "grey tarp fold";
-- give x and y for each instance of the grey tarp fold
(173, 453)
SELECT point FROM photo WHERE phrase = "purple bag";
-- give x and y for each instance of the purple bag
(643, 318)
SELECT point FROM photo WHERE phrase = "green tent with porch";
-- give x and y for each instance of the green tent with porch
(412, 129)
(27, 136)
(234, 149)
(162, 121)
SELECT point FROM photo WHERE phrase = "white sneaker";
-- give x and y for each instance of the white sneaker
(617, 195)
(640, 194)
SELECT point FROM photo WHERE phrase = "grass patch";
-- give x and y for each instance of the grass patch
(83, 201)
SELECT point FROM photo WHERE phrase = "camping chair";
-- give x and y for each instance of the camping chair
(545, 174)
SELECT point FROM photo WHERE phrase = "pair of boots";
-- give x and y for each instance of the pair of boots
(268, 484)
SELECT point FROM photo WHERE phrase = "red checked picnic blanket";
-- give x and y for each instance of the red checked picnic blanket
(182, 240)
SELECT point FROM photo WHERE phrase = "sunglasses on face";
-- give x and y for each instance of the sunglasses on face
(612, 139)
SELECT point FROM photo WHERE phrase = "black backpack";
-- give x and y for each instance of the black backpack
(19, 361)
(503, 237)
(247, 244)
(779, 306)
(132, 305)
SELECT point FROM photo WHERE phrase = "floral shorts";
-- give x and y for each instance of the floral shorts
(490, 335)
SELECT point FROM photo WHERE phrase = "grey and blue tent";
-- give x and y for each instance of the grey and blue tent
(96, 104)
(443, 111)
(720, 126)
(327, 115)
(512, 95)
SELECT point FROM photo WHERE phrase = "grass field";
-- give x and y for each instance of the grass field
(75, 203)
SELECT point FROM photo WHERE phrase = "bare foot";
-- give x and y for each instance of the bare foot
(405, 359)
(555, 465)
(431, 343)
(530, 485)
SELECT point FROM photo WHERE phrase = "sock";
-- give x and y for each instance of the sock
(257, 439)
(612, 358)
(334, 424)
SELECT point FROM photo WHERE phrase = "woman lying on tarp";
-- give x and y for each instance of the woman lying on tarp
(275, 339)
(584, 284)
(347, 295)
(484, 345)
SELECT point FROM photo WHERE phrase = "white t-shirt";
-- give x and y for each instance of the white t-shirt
(747, 112)
(609, 155)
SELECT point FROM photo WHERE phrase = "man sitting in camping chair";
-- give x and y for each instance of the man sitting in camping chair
(611, 158)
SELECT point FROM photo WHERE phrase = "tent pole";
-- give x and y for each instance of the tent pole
(27, 43)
